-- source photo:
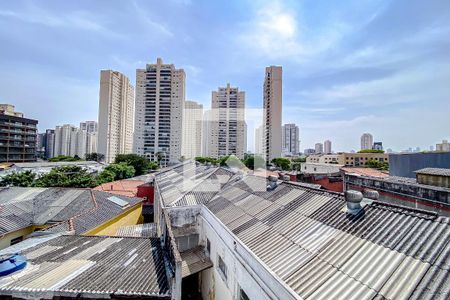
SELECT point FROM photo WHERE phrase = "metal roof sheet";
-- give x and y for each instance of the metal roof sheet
(71, 266)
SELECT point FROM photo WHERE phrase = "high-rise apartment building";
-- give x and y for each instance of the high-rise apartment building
(259, 140)
(318, 148)
(89, 126)
(290, 135)
(17, 136)
(327, 147)
(366, 141)
(228, 122)
(272, 93)
(65, 140)
(160, 96)
(49, 143)
(115, 117)
(192, 129)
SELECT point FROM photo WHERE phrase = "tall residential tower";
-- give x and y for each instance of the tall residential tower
(227, 123)
(366, 141)
(290, 139)
(115, 117)
(272, 94)
(160, 95)
(192, 129)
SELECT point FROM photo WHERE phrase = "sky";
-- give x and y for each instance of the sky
(349, 67)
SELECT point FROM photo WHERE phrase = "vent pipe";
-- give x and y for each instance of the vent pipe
(272, 182)
(353, 199)
(371, 194)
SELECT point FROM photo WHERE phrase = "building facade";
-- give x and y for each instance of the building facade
(348, 159)
(443, 147)
(17, 136)
(259, 140)
(327, 147)
(89, 126)
(290, 139)
(115, 117)
(49, 143)
(405, 164)
(318, 148)
(272, 94)
(160, 96)
(228, 122)
(366, 141)
(192, 129)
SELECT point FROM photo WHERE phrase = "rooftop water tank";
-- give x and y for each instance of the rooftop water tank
(11, 263)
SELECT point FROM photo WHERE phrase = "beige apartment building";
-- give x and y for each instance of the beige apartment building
(160, 96)
(116, 115)
(192, 129)
(348, 159)
(272, 93)
(227, 128)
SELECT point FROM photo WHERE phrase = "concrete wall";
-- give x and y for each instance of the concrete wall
(404, 165)
(5, 241)
(244, 270)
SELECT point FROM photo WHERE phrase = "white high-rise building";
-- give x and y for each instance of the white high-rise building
(70, 141)
(228, 122)
(64, 139)
(290, 136)
(116, 115)
(319, 148)
(259, 140)
(272, 94)
(327, 147)
(91, 142)
(366, 141)
(206, 132)
(192, 129)
(89, 126)
(160, 96)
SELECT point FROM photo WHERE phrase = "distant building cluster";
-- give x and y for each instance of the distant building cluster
(69, 140)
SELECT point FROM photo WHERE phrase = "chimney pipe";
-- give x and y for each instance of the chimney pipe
(353, 199)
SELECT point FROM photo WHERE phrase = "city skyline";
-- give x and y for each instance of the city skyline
(335, 70)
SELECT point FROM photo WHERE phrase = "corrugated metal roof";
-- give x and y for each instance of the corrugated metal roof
(22, 207)
(141, 230)
(71, 266)
(434, 171)
(306, 237)
(193, 261)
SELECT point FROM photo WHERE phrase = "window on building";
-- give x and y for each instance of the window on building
(208, 246)
(16, 240)
(222, 268)
(243, 295)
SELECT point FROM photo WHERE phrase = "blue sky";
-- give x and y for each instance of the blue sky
(349, 66)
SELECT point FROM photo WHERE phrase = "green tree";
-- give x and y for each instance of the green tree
(22, 179)
(105, 176)
(282, 163)
(98, 157)
(121, 170)
(140, 164)
(64, 158)
(375, 164)
(66, 176)
(370, 151)
(250, 161)
(204, 160)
